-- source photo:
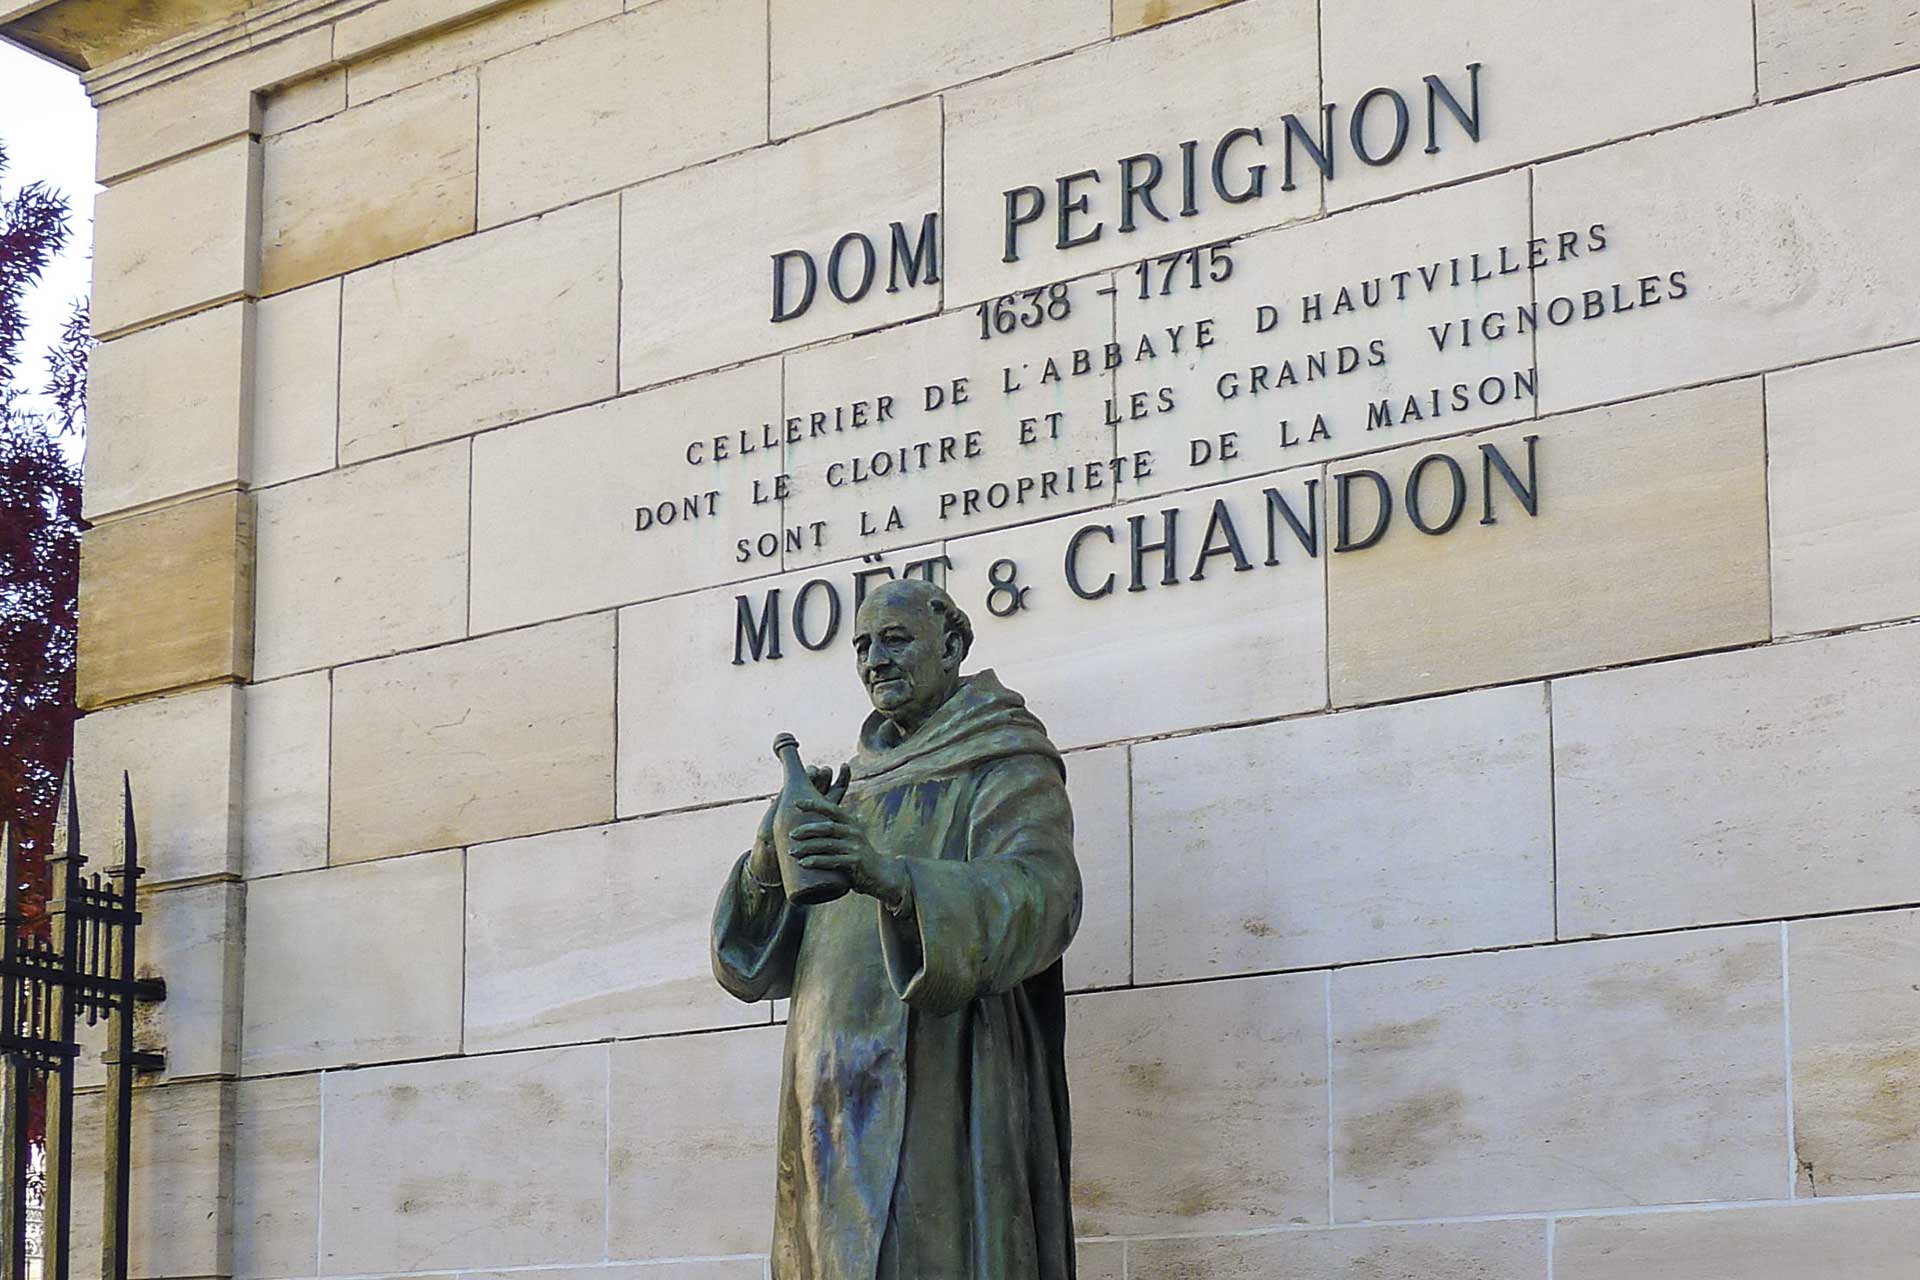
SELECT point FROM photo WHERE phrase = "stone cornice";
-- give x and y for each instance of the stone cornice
(245, 28)
(122, 46)
(86, 35)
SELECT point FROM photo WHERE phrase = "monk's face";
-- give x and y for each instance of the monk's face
(906, 660)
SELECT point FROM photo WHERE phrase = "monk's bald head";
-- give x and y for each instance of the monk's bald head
(916, 595)
(909, 639)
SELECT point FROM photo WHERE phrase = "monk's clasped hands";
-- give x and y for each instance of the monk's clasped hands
(764, 862)
(831, 840)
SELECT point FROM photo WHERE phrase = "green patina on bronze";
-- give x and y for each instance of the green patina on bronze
(924, 1128)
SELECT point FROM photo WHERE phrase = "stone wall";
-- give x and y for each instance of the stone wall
(1533, 901)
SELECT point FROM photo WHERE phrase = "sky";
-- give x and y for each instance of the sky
(47, 126)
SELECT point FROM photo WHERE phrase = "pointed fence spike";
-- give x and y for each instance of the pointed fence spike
(133, 841)
(9, 901)
(68, 811)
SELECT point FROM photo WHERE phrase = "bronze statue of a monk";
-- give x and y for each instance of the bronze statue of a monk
(924, 1129)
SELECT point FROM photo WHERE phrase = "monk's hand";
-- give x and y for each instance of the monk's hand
(764, 864)
(831, 840)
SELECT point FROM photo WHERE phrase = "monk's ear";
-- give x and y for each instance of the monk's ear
(953, 650)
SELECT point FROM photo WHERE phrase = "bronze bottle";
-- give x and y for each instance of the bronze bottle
(804, 887)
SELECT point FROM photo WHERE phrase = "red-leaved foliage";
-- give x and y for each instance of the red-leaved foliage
(39, 552)
(39, 537)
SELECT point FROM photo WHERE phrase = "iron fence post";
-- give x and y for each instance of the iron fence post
(18, 1078)
(66, 919)
(83, 963)
(117, 1184)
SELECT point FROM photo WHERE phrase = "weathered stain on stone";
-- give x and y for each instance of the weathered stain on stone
(1148, 1075)
(1091, 1193)
(1392, 1037)
(1133, 15)
(1407, 1135)
(1693, 999)
(1857, 1118)
(1193, 1201)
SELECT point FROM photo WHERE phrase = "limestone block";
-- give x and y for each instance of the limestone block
(276, 1176)
(363, 561)
(951, 453)
(167, 410)
(694, 1178)
(202, 107)
(1286, 354)
(296, 382)
(697, 247)
(191, 938)
(167, 599)
(1251, 853)
(1856, 1053)
(1509, 1250)
(606, 106)
(602, 931)
(696, 727)
(180, 1220)
(490, 329)
(1809, 44)
(1137, 15)
(498, 29)
(1101, 1260)
(328, 206)
(502, 736)
(1841, 472)
(496, 1161)
(1635, 1071)
(176, 237)
(1770, 782)
(1591, 579)
(183, 756)
(1245, 67)
(1200, 1108)
(837, 59)
(1099, 788)
(284, 769)
(1603, 72)
(1231, 647)
(304, 101)
(1861, 1241)
(324, 951)
(557, 502)
(1780, 267)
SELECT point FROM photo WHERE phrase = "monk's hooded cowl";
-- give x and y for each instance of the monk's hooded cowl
(923, 1110)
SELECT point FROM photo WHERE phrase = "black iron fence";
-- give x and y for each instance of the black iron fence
(81, 965)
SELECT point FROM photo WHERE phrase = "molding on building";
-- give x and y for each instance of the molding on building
(125, 46)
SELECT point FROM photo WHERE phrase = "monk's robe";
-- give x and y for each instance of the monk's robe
(923, 1111)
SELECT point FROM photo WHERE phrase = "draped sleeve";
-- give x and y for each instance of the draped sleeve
(756, 938)
(1005, 913)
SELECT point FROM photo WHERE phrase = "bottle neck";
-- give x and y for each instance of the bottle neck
(795, 771)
